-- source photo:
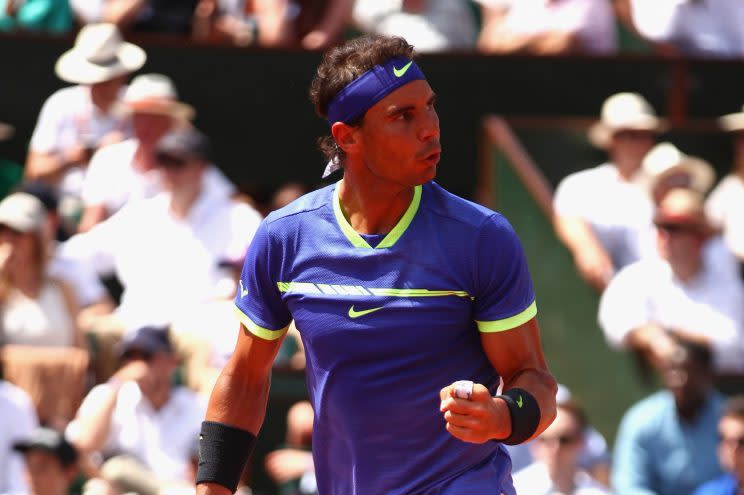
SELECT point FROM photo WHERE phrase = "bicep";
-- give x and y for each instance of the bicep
(512, 351)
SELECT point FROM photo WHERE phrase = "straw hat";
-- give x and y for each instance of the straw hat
(683, 207)
(624, 111)
(155, 93)
(99, 54)
(732, 122)
(666, 165)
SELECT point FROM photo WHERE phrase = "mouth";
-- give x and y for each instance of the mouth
(433, 156)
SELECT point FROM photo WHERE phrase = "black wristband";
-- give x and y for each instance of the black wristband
(524, 412)
(223, 453)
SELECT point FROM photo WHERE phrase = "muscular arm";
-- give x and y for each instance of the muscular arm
(241, 392)
(518, 357)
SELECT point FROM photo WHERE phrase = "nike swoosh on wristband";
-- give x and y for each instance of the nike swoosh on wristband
(519, 402)
(357, 314)
(402, 70)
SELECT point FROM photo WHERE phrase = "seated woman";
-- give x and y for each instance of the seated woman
(35, 309)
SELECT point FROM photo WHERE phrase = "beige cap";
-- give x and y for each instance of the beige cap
(156, 93)
(23, 212)
(683, 207)
(666, 164)
(624, 111)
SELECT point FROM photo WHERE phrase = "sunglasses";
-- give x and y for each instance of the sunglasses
(137, 355)
(675, 228)
(170, 162)
(732, 441)
(563, 440)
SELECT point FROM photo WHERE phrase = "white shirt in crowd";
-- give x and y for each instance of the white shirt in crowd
(441, 25)
(725, 209)
(18, 421)
(618, 211)
(43, 321)
(165, 264)
(592, 20)
(534, 480)
(68, 117)
(161, 439)
(80, 277)
(696, 27)
(648, 292)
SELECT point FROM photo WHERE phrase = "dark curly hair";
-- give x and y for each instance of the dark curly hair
(343, 64)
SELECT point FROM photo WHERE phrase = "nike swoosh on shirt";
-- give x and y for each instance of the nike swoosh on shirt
(402, 70)
(357, 314)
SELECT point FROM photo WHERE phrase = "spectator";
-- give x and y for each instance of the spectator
(18, 421)
(291, 467)
(51, 462)
(141, 422)
(594, 457)
(730, 451)
(92, 297)
(665, 442)
(602, 237)
(274, 23)
(547, 27)
(429, 25)
(650, 300)
(52, 16)
(141, 16)
(189, 228)
(702, 28)
(725, 206)
(77, 120)
(36, 309)
(127, 170)
(557, 451)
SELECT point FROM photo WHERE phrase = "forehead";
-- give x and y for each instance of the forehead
(412, 94)
(732, 424)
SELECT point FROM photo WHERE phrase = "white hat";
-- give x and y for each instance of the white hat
(23, 212)
(732, 122)
(624, 111)
(665, 161)
(156, 93)
(99, 54)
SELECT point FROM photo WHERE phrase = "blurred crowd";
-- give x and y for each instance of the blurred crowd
(122, 241)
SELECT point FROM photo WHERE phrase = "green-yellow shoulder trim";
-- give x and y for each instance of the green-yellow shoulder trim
(258, 331)
(392, 237)
(508, 323)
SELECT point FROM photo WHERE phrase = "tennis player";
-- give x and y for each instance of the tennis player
(399, 290)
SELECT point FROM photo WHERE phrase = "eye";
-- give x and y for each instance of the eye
(405, 116)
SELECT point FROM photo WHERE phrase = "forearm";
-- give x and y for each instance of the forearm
(94, 429)
(541, 384)
(44, 166)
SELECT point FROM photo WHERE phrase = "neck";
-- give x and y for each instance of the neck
(627, 169)
(144, 157)
(563, 479)
(159, 397)
(687, 271)
(28, 281)
(690, 409)
(373, 208)
(100, 101)
(182, 201)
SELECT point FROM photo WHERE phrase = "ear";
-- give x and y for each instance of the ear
(345, 136)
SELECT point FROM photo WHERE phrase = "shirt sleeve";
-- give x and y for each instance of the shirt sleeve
(258, 302)
(631, 472)
(95, 184)
(48, 126)
(504, 296)
(568, 197)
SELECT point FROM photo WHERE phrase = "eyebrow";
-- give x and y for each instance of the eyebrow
(396, 110)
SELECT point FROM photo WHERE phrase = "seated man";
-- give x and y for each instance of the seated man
(666, 441)
(141, 422)
(676, 293)
(730, 451)
(51, 462)
(18, 420)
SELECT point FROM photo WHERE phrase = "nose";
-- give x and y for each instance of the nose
(430, 126)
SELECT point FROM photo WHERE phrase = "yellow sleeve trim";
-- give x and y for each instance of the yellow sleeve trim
(508, 323)
(261, 332)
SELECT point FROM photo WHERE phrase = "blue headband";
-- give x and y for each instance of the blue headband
(360, 94)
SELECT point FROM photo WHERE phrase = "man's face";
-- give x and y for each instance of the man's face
(560, 445)
(630, 146)
(180, 173)
(679, 243)
(399, 136)
(731, 445)
(150, 127)
(45, 473)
